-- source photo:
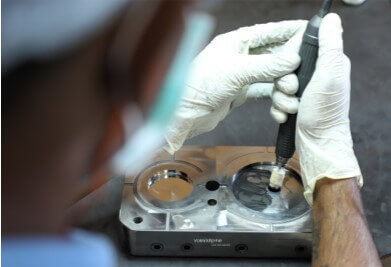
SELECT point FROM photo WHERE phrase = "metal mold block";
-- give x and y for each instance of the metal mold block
(214, 201)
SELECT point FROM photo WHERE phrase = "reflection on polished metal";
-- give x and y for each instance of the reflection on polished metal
(167, 184)
(215, 201)
(170, 185)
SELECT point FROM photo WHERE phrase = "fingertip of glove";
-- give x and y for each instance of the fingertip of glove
(330, 34)
(277, 115)
(285, 103)
(332, 18)
(331, 22)
(288, 84)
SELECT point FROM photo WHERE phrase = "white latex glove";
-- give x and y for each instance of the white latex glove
(353, 2)
(224, 75)
(323, 137)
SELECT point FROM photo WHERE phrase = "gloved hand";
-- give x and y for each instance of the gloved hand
(323, 137)
(225, 74)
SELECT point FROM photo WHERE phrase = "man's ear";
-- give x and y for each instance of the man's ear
(110, 143)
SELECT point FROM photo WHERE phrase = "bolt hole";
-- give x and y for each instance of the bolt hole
(137, 220)
(300, 249)
(157, 247)
(241, 248)
(212, 202)
(187, 247)
(212, 185)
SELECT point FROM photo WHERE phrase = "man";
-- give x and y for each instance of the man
(77, 82)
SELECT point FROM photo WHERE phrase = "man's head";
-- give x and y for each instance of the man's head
(60, 110)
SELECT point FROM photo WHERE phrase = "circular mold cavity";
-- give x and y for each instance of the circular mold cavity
(169, 185)
(250, 186)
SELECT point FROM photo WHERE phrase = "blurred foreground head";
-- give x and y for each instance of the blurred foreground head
(68, 66)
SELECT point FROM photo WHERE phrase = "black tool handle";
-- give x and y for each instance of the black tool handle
(285, 146)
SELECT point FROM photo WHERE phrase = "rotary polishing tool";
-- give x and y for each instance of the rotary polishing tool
(308, 53)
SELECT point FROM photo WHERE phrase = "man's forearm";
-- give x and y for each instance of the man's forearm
(341, 236)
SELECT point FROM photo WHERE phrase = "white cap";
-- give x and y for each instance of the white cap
(42, 29)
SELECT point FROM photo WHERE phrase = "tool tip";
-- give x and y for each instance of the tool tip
(276, 179)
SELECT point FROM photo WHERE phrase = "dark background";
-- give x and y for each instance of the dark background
(367, 37)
